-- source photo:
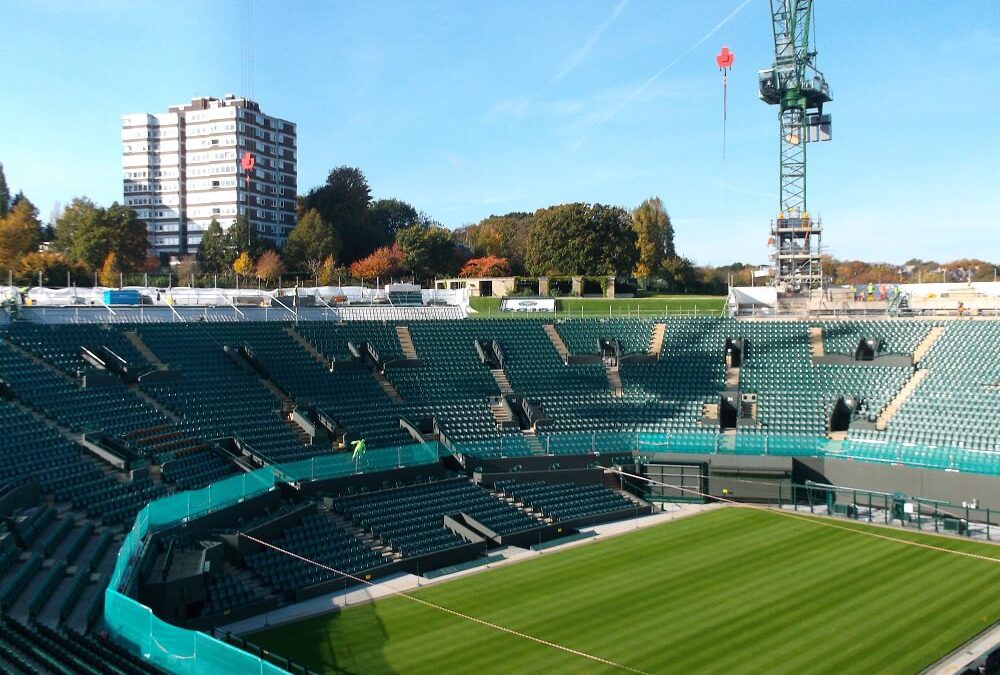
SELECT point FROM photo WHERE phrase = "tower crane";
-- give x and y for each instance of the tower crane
(798, 88)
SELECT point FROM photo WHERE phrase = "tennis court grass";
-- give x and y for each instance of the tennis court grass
(735, 590)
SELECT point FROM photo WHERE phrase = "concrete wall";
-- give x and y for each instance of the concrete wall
(927, 483)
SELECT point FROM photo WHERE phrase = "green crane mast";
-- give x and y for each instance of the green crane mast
(798, 88)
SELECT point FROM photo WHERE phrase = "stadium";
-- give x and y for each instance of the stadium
(554, 446)
(184, 491)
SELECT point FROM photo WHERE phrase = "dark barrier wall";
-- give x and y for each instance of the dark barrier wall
(927, 483)
(749, 477)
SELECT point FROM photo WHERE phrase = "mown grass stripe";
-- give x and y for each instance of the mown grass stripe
(736, 589)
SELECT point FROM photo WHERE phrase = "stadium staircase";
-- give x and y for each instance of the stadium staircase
(816, 342)
(501, 415)
(557, 341)
(406, 343)
(614, 380)
(656, 339)
(899, 399)
(154, 404)
(913, 382)
(503, 383)
(531, 440)
(366, 537)
(732, 378)
(30, 356)
(308, 347)
(287, 406)
(387, 386)
(136, 340)
(925, 345)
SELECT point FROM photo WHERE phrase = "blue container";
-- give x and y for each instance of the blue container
(121, 297)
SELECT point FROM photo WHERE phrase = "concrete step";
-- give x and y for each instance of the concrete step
(406, 342)
(925, 345)
(614, 381)
(141, 347)
(308, 346)
(500, 413)
(900, 398)
(503, 383)
(557, 341)
(532, 442)
(656, 340)
(816, 342)
(387, 387)
(287, 404)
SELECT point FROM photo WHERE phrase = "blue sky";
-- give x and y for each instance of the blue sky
(470, 108)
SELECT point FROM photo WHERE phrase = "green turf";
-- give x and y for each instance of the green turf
(736, 590)
(643, 307)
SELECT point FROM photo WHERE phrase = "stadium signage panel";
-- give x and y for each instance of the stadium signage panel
(528, 305)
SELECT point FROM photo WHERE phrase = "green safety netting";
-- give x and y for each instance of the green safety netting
(954, 458)
(179, 650)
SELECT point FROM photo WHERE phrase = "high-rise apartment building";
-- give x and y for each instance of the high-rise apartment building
(182, 168)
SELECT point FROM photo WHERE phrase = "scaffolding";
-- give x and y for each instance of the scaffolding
(795, 251)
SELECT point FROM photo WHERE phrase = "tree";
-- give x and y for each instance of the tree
(327, 273)
(127, 236)
(19, 235)
(241, 237)
(186, 269)
(427, 251)
(110, 275)
(87, 233)
(311, 242)
(678, 274)
(269, 266)
(78, 233)
(243, 265)
(212, 255)
(54, 268)
(343, 203)
(654, 233)
(382, 262)
(503, 236)
(582, 239)
(487, 266)
(389, 216)
(4, 194)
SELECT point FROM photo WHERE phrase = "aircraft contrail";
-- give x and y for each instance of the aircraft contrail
(645, 85)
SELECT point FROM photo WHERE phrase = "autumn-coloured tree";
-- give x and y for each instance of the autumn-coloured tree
(19, 234)
(641, 272)
(486, 266)
(269, 265)
(110, 274)
(327, 273)
(186, 269)
(381, 263)
(54, 268)
(243, 265)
